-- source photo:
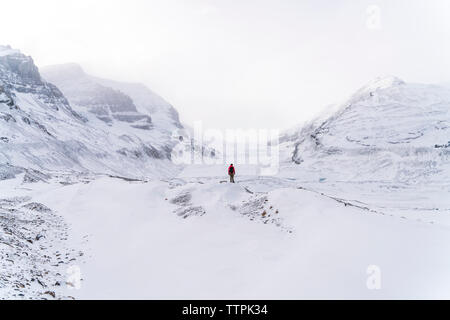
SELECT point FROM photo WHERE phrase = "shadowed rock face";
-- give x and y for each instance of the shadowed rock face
(114, 100)
(21, 65)
(106, 103)
(109, 105)
(18, 74)
(132, 117)
(104, 95)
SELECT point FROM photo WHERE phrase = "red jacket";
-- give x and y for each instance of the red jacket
(231, 170)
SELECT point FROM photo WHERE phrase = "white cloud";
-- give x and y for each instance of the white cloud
(267, 64)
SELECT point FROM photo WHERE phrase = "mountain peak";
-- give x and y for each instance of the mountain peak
(383, 82)
(7, 50)
(19, 64)
(66, 70)
(379, 83)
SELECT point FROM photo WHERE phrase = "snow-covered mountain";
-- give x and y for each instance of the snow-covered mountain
(111, 100)
(388, 130)
(128, 106)
(98, 129)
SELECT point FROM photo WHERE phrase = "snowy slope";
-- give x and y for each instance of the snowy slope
(388, 130)
(202, 239)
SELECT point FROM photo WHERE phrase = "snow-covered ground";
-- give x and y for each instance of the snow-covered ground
(198, 237)
(96, 201)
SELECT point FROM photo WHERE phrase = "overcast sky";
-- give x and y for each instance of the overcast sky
(239, 64)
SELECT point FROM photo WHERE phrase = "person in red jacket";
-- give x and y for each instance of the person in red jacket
(231, 173)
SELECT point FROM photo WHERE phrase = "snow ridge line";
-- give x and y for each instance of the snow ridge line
(350, 204)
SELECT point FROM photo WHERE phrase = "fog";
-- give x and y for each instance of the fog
(239, 64)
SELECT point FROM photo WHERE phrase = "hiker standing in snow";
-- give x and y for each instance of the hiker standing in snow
(231, 173)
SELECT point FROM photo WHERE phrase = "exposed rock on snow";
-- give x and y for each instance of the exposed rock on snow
(34, 255)
(185, 208)
(258, 208)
